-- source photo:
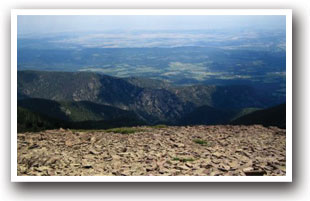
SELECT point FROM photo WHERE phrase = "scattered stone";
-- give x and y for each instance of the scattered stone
(34, 146)
(234, 151)
(87, 166)
(234, 165)
(217, 154)
(248, 169)
(223, 168)
(93, 151)
(183, 167)
(68, 143)
(255, 173)
(179, 145)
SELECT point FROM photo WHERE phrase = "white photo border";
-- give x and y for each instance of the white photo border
(285, 12)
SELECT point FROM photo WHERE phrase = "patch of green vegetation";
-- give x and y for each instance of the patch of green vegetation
(124, 130)
(244, 112)
(87, 130)
(201, 142)
(159, 126)
(183, 159)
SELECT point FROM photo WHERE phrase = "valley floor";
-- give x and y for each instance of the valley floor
(193, 150)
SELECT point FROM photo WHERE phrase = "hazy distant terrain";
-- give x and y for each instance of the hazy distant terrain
(180, 57)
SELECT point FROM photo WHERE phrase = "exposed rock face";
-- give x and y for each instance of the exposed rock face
(196, 150)
(160, 104)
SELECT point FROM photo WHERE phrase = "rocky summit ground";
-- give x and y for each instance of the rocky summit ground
(193, 150)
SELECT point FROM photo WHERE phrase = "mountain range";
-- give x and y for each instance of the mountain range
(94, 100)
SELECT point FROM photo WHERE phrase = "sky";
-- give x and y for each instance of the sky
(40, 24)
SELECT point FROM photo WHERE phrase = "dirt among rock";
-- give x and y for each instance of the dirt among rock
(175, 151)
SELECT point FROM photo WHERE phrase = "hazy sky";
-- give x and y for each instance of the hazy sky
(57, 23)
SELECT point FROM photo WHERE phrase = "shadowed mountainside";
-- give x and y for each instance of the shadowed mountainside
(75, 111)
(32, 121)
(275, 116)
(86, 96)
(40, 114)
